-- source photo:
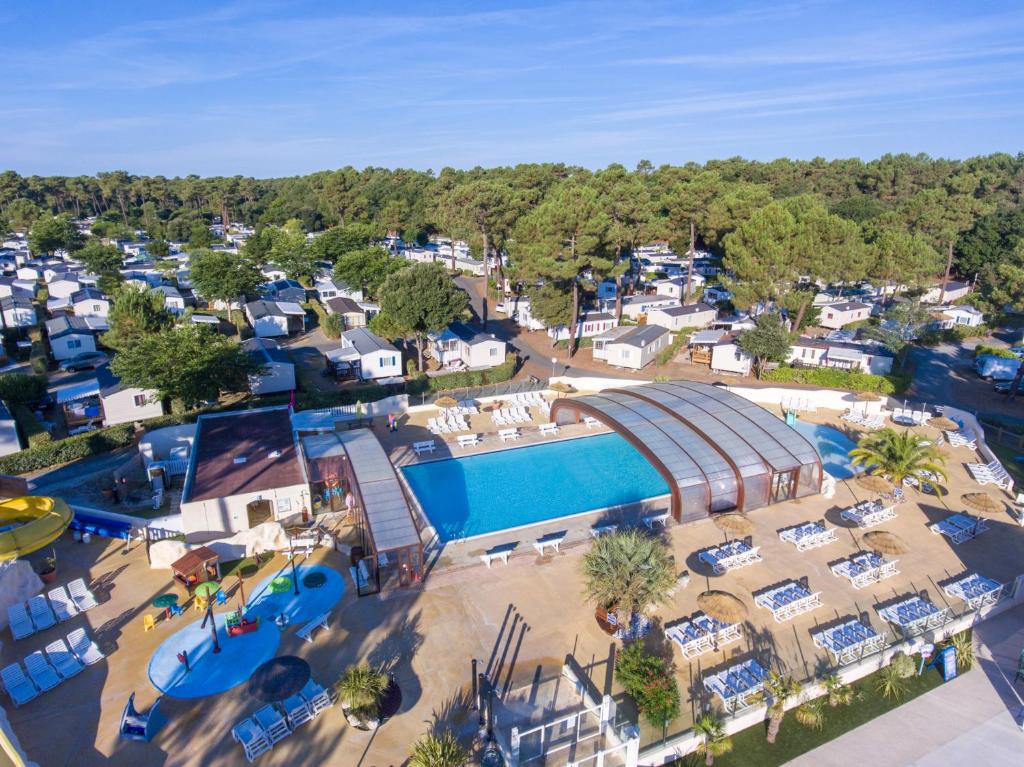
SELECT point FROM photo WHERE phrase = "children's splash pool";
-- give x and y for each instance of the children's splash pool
(212, 673)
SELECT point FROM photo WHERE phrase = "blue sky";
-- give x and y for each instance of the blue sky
(283, 88)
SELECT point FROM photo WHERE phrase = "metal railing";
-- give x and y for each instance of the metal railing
(527, 385)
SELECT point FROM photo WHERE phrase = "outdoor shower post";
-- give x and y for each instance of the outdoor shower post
(476, 687)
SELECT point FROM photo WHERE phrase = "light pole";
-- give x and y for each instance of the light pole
(554, 361)
(291, 551)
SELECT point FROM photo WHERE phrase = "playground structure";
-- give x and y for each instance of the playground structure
(30, 522)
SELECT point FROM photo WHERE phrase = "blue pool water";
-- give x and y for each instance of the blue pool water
(833, 446)
(483, 493)
(239, 656)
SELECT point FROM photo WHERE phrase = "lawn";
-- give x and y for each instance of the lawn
(246, 567)
(750, 749)
(1008, 457)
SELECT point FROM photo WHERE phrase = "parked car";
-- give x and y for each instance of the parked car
(84, 361)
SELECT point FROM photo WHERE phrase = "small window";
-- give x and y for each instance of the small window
(74, 343)
(284, 505)
(139, 400)
(494, 351)
(97, 308)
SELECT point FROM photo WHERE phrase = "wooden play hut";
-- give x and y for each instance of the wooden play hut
(197, 566)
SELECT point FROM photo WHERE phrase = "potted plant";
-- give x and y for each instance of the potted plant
(441, 750)
(361, 689)
(624, 573)
(46, 568)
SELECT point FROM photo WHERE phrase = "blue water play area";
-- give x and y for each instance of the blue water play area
(832, 445)
(483, 493)
(212, 673)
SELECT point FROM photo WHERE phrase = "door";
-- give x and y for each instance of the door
(259, 512)
(782, 486)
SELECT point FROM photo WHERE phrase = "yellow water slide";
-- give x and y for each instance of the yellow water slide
(31, 522)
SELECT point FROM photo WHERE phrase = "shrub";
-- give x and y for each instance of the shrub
(361, 689)
(904, 665)
(67, 450)
(31, 429)
(890, 684)
(963, 644)
(37, 358)
(332, 326)
(993, 351)
(650, 681)
(442, 750)
(20, 388)
(673, 348)
(811, 714)
(830, 378)
(465, 379)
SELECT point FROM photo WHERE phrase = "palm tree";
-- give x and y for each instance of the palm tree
(715, 741)
(898, 455)
(891, 684)
(837, 692)
(627, 571)
(780, 689)
(811, 714)
(438, 751)
(361, 689)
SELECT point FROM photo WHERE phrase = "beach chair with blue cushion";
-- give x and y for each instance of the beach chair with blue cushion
(296, 711)
(19, 687)
(63, 659)
(252, 737)
(272, 723)
(691, 640)
(788, 601)
(63, 606)
(42, 673)
(21, 624)
(84, 648)
(976, 590)
(84, 599)
(42, 615)
(316, 696)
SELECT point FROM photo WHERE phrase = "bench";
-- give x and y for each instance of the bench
(423, 447)
(319, 622)
(508, 434)
(548, 429)
(498, 552)
(554, 541)
(591, 422)
(468, 440)
(654, 519)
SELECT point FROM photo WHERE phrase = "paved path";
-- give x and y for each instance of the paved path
(973, 720)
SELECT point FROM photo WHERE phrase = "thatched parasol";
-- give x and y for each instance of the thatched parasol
(874, 483)
(561, 386)
(733, 522)
(983, 502)
(867, 396)
(885, 543)
(722, 606)
(445, 402)
(943, 424)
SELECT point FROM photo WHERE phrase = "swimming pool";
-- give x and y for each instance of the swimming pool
(480, 494)
(833, 446)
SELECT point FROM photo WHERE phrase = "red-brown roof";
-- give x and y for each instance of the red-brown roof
(245, 452)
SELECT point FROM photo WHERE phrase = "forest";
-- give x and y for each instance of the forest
(901, 219)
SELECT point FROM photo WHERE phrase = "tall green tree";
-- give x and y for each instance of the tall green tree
(565, 241)
(367, 268)
(898, 455)
(768, 342)
(339, 240)
(135, 314)
(191, 364)
(52, 233)
(423, 299)
(687, 204)
(290, 251)
(552, 304)
(482, 210)
(222, 276)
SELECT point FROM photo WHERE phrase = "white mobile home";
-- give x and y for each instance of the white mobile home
(365, 355)
(124, 404)
(174, 302)
(460, 346)
(676, 318)
(275, 318)
(589, 325)
(838, 315)
(637, 307)
(954, 292)
(89, 302)
(18, 312)
(638, 347)
(859, 357)
(70, 335)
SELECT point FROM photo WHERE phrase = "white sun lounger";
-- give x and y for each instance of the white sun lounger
(427, 446)
(506, 435)
(868, 515)
(19, 687)
(42, 673)
(87, 650)
(296, 711)
(737, 686)
(976, 590)
(656, 519)
(788, 601)
(548, 429)
(810, 535)
(959, 528)
(849, 641)
(252, 737)
(599, 530)
(316, 696)
(63, 606)
(914, 616)
(272, 723)
(864, 569)
(21, 624)
(42, 615)
(84, 599)
(469, 440)
(63, 659)
(730, 556)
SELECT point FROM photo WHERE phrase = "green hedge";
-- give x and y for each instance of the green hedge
(993, 351)
(673, 348)
(31, 429)
(66, 450)
(465, 379)
(830, 378)
(18, 387)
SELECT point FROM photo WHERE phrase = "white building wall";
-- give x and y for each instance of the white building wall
(64, 348)
(485, 354)
(219, 517)
(121, 407)
(270, 326)
(381, 364)
(729, 358)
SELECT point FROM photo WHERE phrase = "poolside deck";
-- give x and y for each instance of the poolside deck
(519, 619)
